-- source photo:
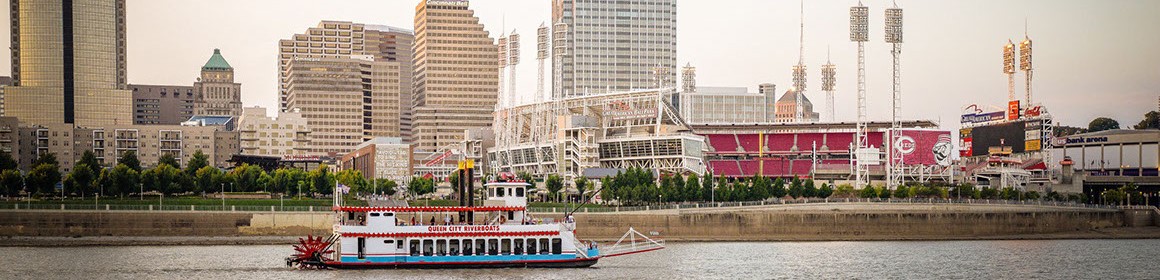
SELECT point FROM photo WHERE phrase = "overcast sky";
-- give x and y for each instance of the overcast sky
(1092, 58)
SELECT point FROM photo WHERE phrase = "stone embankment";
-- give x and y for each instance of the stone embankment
(801, 222)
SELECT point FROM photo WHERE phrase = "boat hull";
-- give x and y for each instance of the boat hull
(572, 263)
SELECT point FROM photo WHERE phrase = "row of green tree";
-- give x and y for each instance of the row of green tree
(1151, 121)
(637, 186)
(89, 177)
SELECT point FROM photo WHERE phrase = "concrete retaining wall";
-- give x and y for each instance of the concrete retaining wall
(869, 222)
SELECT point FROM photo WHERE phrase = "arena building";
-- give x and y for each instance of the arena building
(614, 130)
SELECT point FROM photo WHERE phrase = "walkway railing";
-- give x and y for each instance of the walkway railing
(561, 210)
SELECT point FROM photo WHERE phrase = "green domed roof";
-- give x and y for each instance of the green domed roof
(217, 62)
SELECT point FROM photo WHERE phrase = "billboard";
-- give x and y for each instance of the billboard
(976, 118)
(1013, 110)
(924, 147)
(1008, 134)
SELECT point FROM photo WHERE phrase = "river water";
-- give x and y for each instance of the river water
(1039, 259)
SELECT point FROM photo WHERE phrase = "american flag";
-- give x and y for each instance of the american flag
(343, 189)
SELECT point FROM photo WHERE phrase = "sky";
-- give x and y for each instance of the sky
(1092, 58)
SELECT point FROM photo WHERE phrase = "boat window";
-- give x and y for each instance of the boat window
(510, 192)
(428, 247)
(388, 214)
(498, 192)
(505, 246)
(493, 247)
(414, 247)
(467, 247)
(389, 241)
(454, 247)
(374, 214)
(399, 245)
(441, 247)
(362, 248)
(518, 246)
(519, 192)
(557, 246)
(532, 247)
(543, 246)
(479, 248)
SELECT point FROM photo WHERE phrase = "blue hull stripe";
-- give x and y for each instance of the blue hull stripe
(485, 258)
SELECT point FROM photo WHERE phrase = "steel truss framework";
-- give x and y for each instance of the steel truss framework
(615, 130)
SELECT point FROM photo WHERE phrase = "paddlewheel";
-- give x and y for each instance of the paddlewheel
(311, 253)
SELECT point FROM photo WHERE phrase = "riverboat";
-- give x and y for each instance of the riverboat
(506, 235)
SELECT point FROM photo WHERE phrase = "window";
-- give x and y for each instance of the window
(479, 247)
(532, 247)
(468, 247)
(428, 247)
(441, 247)
(543, 246)
(519, 192)
(362, 248)
(454, 244)
(557, 246)
(414, 247)
(505, 246)
(493, 247)
(374, 214)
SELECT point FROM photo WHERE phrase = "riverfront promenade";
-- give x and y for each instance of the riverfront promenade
(774, 222)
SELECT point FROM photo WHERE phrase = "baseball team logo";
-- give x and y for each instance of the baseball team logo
(942, 150)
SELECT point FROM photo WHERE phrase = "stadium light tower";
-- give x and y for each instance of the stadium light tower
(859, 33)
(513, 60)
(799, 70)
(894, 166)
(541, 55)
(1009, 68)
(501, 96)
(1025, 63)
(828, 71)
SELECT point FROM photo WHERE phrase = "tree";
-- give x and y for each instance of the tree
(845, 191)
(353, 179)
(43, 178)
(321, 181)
(11, 181)
(988, 193)
(207, 179)
(82, 178)
(419, 186)
(825, 191)
(246, 178)
(387, 186)
(90, 159)
(1103, 123)
(46, 158)
(7, 162)
(902, 191)
(581, 186)
(195, 163)
(129, 159)
(883, 192)
(1151, 121)
(170, 160)
(707, 188)
(122, 180)
(779, 190)
(692, 188)
(453, 179)
(868, 192)
(1062, 130)
(163, 178)
(810, 189)
(554, 184)
(796, 189)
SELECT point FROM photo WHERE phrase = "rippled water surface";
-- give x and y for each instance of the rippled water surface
(1050, 259)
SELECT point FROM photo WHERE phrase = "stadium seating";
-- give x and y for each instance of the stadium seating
(749, 168)
(723, 143)
(726, 167)
(839, 142)
(801, 167)
(750, 142)
(805, 141)
(779, 143)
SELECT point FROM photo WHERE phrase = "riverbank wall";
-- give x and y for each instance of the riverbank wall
(822, 221)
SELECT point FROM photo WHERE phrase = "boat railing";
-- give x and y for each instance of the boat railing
(636, 243)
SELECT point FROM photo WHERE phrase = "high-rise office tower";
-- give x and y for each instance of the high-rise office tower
(68, 63)
(456, 74)
(345, 101)
(342, 39)
(613, 45)
(217, 93)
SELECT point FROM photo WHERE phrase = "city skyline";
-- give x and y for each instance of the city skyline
(1072, 38)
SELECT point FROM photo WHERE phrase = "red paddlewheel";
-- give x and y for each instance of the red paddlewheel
(310, 253)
